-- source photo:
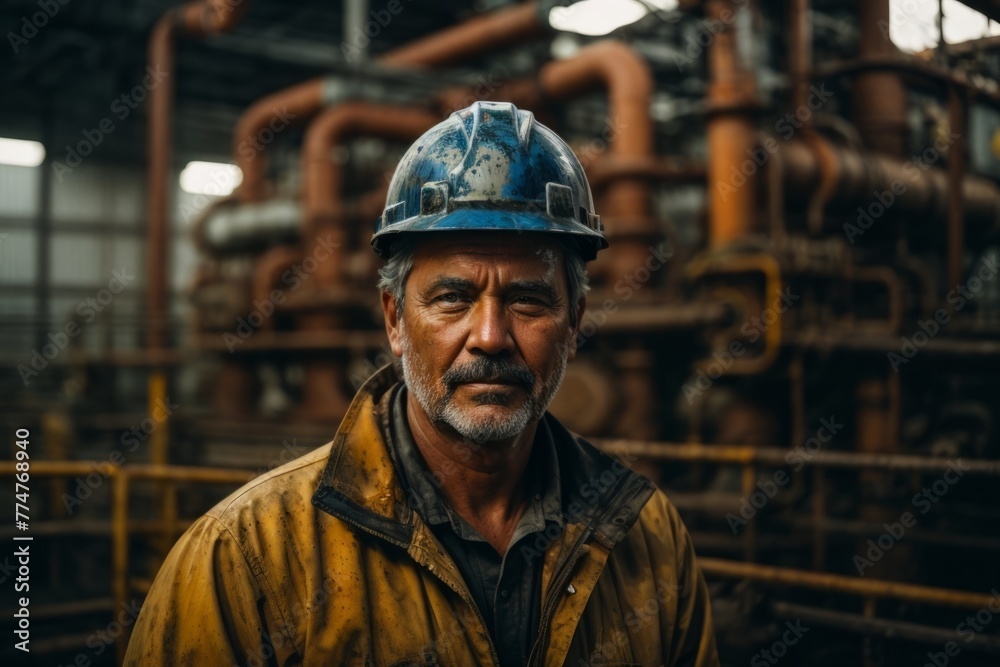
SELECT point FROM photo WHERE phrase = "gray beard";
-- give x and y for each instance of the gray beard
(470, 427)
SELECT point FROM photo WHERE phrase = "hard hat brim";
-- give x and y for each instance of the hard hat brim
(472, 219)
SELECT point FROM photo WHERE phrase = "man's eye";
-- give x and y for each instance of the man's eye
(449, 297)
(531, 301)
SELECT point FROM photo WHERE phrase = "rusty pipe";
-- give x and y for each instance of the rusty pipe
(730, 129)
(195, 19)
(656, 170)
(325, 229)
(628, 79)
(799, 51)
(211, 17)
(878, 97)
(268, 267)
(916, 186)
(161, 54)
(839, 583)
(322, 177)
(475, 37)
(296, 103)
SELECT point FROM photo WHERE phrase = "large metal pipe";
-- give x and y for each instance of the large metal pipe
(473, 38)
(886, 628)
(355, 16)
(325, 231)
(878, 97)
(839, 583)
(916, 187)
(322, 177)
(730, 129)
(628, 79)
(194, 19)
(799, 51)
(747, 455)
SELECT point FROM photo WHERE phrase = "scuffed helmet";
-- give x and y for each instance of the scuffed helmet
(490, 167)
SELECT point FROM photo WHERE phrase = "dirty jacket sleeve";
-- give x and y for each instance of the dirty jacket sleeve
(203, 604)
(692, 637)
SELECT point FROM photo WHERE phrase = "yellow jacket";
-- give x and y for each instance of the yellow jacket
(322, 562)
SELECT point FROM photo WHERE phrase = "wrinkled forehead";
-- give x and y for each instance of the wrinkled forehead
(519, 253)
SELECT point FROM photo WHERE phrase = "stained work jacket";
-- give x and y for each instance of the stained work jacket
(322, 562)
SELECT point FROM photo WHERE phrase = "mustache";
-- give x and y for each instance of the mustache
(488, 369)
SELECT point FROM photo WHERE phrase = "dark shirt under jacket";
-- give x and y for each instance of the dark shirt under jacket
(506, 589)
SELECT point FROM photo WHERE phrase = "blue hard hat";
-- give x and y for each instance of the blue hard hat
(490, 167)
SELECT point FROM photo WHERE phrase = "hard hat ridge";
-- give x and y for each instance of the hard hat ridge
(490, 167)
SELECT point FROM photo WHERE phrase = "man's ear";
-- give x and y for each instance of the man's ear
(391, 316)
(581, 306)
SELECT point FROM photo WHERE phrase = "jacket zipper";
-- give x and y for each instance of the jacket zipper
(465, 595)
(482, 621)
(558, 582)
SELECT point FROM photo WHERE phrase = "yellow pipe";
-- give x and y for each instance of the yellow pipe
(158, 453)
(771, 271)
(119, 554)
(838, 583)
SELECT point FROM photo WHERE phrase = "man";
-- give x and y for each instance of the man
(452, 520)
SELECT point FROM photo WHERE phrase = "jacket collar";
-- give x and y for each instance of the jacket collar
(359, 484)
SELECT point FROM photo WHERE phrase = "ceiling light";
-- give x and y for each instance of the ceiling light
(600, 17)
(210, 178)
(20, 153)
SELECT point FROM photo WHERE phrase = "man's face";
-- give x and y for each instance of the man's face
(485, 332)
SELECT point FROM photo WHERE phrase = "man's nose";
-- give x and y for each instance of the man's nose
(490, 328)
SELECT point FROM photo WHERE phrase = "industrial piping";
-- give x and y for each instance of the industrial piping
(195, 19)
(629, 82)
(475, 37)
(322, 177)
(731, 129)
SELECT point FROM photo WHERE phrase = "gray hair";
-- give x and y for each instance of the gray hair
(393, 275)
